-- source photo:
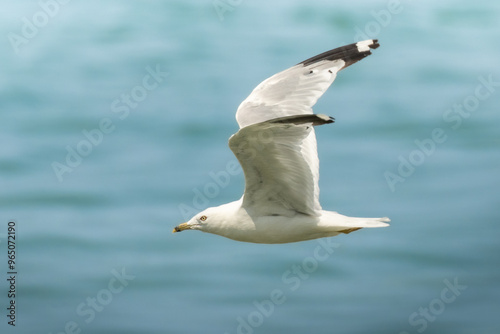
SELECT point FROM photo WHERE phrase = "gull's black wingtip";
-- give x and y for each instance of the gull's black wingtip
(375, 44)
(323, 119)
(350, 54)
(315, 119)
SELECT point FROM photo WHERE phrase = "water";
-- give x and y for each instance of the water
(95, 253)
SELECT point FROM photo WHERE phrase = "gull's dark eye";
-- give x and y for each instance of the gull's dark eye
(203, 218)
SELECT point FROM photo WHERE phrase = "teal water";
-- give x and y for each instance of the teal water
(95, 252)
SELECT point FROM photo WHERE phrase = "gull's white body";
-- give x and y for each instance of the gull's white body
(280, 229)
(276, 147)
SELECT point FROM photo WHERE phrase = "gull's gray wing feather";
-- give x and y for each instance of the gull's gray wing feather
(278, 176)
(295, 90)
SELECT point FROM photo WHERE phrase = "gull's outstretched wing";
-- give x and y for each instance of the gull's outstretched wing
(294, 91)
(291, 92)
(279, 179)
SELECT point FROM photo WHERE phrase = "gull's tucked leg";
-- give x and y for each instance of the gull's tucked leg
(349, 230)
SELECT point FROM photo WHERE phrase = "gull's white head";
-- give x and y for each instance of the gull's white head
(214, 220)
(198, 222)
(206, 221)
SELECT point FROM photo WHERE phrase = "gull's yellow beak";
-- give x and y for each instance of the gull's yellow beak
(181, 227)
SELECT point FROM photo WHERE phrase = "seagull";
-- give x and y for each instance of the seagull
(276, 147)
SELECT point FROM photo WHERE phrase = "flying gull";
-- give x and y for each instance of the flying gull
(276, 147)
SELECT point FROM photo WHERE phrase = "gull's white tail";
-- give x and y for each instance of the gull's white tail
(341, 222)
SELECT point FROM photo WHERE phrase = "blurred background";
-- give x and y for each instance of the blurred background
(114, 124)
